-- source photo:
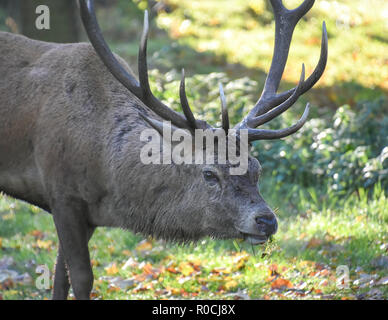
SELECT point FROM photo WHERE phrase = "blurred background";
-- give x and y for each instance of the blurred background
(329, 181)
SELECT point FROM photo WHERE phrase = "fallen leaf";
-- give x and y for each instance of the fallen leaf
(302, 236)
(140, 277)
(173, 291)
(324, 272)
(231, 284)
(126, 253)
(281, 283)
(185, 268)
(94, 262)
(148, 268)
(44, 244)
(113, 288)
(37, 234)
(314, 243)
(172, 270)
(223, 270)
(112, 269)
(144, 245)
(320, 266)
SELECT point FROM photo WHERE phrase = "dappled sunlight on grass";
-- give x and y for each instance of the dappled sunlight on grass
(300, 263)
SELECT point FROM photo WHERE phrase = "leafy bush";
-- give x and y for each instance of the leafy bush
(344, 154)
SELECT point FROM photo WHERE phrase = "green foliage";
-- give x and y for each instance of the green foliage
(343, 154)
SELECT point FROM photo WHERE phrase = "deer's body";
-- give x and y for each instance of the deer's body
(71, 119)
(64, 123)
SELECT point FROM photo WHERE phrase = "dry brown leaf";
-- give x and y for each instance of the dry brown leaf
(126, 253)
(172, 270)
(44, 244)
(37, 234)
(144, 246)
(314, 242)
(281, 283)
(140, 277)
(112, 269)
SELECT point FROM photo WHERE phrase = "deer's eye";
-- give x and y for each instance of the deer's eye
(210, 176)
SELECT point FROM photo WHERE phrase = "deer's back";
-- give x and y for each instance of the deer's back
(58, 106)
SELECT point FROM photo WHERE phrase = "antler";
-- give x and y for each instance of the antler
(285, 22)
(141, 90)
(270, 104)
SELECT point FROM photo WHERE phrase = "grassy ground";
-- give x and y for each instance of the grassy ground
(315, 237)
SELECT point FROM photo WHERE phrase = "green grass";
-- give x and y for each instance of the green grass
(314, 238)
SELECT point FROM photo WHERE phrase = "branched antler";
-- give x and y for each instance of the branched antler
(270, 105)
(141, 90)
(285, 22)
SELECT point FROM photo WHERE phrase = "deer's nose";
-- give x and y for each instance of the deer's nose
(267, 223)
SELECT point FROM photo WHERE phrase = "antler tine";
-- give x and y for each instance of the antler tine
(224, 110)
(185, 104)
(263, 134)
(97, 40)
(257, 121)
(307, 84)
(142, 90)
(142, 59)
(150, 100)
(312, 79)
(285, 22)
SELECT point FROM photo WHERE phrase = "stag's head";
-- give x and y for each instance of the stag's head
(224, 204)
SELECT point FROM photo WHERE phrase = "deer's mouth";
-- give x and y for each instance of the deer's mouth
(254, 239)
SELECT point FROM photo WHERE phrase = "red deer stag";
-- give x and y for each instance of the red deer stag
(71, 116)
